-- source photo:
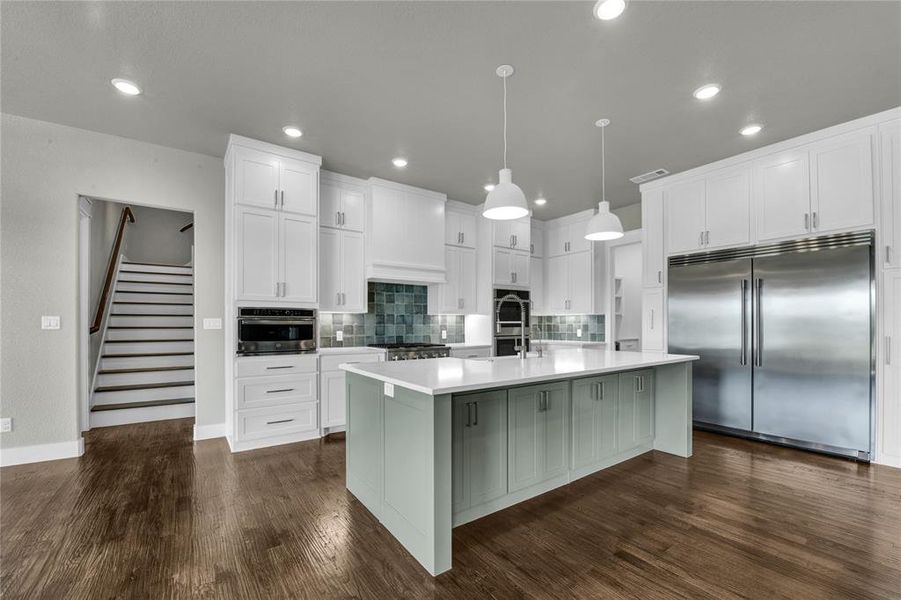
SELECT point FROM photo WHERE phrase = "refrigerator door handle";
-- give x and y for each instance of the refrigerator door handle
(743, 359)
(758, 325)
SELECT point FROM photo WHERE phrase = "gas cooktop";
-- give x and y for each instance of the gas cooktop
(413, 350)
(398, 345)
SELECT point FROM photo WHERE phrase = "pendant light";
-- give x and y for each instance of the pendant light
(506, 201)
(604, 225)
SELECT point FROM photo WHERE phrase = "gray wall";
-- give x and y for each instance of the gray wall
(45, 167)
(104, 223)
(630, 216)
(154, 236)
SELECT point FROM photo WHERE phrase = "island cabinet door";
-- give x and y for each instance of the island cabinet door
(594, 404)
(635, 410)
(479, 448)
(538, 431)
(555, 430)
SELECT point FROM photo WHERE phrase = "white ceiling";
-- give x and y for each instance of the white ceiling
(370, 81)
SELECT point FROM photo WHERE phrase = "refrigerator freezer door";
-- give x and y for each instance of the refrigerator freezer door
(709, 315)
(813, 347)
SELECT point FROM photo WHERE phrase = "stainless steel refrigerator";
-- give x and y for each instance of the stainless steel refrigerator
(785, 336)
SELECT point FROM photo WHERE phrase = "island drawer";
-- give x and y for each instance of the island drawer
(256, 392)
(258, 423)
(251, 366)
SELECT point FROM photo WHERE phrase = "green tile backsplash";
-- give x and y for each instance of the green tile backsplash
(397, 313)
(563, 327)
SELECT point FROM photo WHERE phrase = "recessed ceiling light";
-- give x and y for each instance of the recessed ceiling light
(609, 9)
(706, 92)
(399, 162)
(489, 187)
(292, 131)
(751, 129)
(540, 201)
(129, 88)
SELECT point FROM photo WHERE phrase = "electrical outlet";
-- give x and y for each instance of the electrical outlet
(339, 335)
(444, 334)
(6, 424)
(579, 332)
(212, 323)
(50, 322)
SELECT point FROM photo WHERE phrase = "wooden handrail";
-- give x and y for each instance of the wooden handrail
(186, 227)
(129, 216)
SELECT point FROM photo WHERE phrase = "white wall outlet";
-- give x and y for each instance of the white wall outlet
(212, 323)
(6, 424)
(339, 335)
(579, 332)
(50, 322)
(444, 334)
(389, 390)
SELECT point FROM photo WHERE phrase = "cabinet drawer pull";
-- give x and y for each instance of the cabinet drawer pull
(816, 220)
(280, 367)
(807, 221)
(475, 421)
(468, 414)
(275, 199)
(283, 198)
(279, 391)
(888, 349)
(279, 421)
(659, 276)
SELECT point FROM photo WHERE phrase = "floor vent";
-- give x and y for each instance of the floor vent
(644, 177)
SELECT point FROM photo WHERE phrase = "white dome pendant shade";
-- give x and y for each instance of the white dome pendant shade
(506, 201)
(604, 225)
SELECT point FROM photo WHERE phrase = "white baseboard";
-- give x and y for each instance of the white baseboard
(208, 432)
(41, 452)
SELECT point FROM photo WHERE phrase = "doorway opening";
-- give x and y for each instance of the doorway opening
(624, 265)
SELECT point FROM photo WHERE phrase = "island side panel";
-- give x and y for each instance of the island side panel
(365, 439)
(673, 409)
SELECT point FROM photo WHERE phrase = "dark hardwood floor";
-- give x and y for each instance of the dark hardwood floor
(146, 513)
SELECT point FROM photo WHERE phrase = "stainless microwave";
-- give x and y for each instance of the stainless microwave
(276, 331)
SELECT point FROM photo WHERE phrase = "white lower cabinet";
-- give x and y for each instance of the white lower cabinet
(652, 320)
(332, 386)
(256, 392)
(538, 429)
(258, 424)
(479, 448)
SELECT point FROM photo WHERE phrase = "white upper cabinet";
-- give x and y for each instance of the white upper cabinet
(405, 233)
(890, 161)
(298, 186)
(536, 243)
(460, 228)
(269, 180)
(580, 283)
(298, 258)
(841, 182)
(341, 202)
(569, 284)
(514, 234)
(536, 284)
(556, 289)
(685, 221)
(782, 184)
(652, 243)
(257, 254)
(728, 208)
(341, 279)
(458, 295)
(563, 238)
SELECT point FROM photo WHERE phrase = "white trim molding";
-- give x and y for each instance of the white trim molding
(21, 455)
(209, 432)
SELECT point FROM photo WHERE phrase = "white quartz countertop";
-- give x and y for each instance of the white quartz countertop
(467, 345)
(453, 375)
(573, 343)
(351, 350)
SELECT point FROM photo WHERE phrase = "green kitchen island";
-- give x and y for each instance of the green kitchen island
(432, 444)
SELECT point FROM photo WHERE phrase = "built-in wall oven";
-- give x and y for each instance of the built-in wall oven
(509, 322)
(276, 331)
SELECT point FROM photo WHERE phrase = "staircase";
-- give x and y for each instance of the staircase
(146, 370)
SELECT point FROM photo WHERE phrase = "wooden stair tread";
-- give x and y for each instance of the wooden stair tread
(153, 303)
(148, 354)
(148, 341)
(118, 291)
(142, 386)
(150, 282)
(155, 272)
(143, 370)
(142, 404)
(126, 262)
(148, 326)
(151, 314)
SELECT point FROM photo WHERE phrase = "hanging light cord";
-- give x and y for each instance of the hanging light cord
(603, 167)
(505, 121)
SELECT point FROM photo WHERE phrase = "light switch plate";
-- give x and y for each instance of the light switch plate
(389, 390)
(212, 323)
(50, 322)
(444, 334)
(6, 424)
(339, 335)
(578, 333)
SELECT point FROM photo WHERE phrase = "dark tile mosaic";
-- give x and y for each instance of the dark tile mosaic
(397, 313)
(564, 327)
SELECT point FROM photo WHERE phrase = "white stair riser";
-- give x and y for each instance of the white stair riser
(168, 393)
(135, 286)
(155, 268)
(154, 277)
(104, 379)
(108, 418)
(169, 309)
(152, 298)
(154, 321)
(150, 334)
(145, 362)
(147, 347)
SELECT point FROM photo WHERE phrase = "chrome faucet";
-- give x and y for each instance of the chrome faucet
(523, 349)
(532, 337)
